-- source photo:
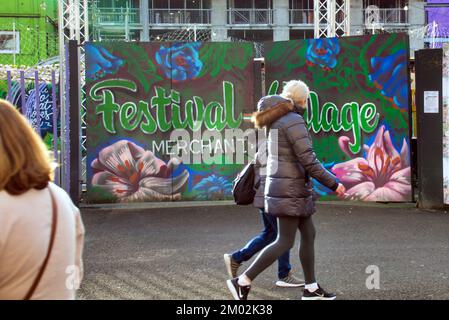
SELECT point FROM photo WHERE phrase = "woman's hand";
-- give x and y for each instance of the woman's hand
(341, 190)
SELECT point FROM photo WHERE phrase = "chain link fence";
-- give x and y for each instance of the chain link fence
(23, 45)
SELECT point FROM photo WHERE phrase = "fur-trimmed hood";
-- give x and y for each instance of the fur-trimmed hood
(269, 114)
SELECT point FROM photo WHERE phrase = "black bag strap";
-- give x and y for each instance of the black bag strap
(54, 223)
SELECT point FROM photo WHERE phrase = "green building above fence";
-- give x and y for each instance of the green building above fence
(28, 31)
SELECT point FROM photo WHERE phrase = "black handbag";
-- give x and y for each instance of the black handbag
(244, 189)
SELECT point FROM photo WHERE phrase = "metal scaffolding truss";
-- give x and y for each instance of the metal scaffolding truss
(73, 25)
(322, 27)
(331, 18)
(342, 18)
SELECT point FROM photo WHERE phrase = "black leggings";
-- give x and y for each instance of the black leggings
(287, 227)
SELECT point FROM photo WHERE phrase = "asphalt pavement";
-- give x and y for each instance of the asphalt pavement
(177, 252)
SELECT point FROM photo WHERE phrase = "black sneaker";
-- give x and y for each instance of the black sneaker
(238, 292)
(318, 294)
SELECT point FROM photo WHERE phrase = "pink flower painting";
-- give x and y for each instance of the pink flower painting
(133, 174)
(384, 175)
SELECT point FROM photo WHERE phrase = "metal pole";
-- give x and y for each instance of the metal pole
(73, 25)
(434, 26)
(65, 119)
(86, 21)
(8, 96)
(127, 23)
(23, 93)
(15, 42)
(37, 106)
(330, 17)
(55, 124)
(62, 82)
(74, 124)
(145, 20)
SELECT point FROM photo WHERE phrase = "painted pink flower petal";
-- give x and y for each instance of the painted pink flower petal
(97, 166)
(349, 172)
(166, 186)
(150, 166)
(360, 191)
(366, 148)
(147, 194)
(402, 176)
(401, 188)
(110, 182)
(136, 151)
(379, 139)
(376, 147)
(343, 143)
(389, 148)
(118, 158)
(386, 194)
(405, 156)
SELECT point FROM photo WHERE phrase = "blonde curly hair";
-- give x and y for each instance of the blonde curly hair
(296, 90)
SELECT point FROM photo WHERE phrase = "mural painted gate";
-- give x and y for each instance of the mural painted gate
(359, 108)
(138, 94)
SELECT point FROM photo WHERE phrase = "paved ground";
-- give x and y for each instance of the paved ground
(176, 253)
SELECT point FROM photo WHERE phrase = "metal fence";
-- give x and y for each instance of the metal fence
(250, 16)
(301, 16)
(26, 45)
(117, 16)
(35, 93)
(381, 16)
(180, 16)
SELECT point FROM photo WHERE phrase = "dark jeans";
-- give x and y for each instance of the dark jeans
(263, 239)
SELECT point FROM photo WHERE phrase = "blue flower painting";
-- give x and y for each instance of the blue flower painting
(100, 62)
(213, 187)
(390, 76)
(180, 61)
(323, 52)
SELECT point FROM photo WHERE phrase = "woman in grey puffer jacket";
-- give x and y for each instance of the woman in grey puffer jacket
(291, 165)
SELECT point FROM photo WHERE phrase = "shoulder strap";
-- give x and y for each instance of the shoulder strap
(54, 223)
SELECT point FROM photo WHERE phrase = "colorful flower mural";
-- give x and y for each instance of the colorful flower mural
(183, 79)
(383, 175)
(213, 187)
(131, 173)
(323, 52)
(195, 87)
(390, 76)
(366, 73)
(180, 61)
(100, 62)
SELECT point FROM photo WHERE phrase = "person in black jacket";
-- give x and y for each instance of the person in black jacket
(288, 192)
(233, 261)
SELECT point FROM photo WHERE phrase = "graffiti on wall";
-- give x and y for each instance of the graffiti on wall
(139, 95)
(29, 108)
(358, 109)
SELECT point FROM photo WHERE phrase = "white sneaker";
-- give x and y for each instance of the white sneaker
(290, 281)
